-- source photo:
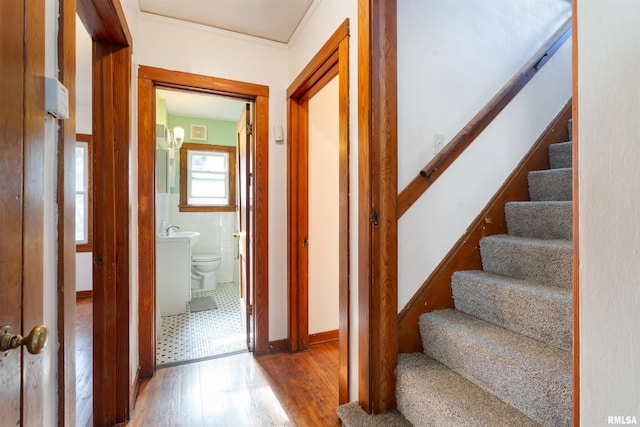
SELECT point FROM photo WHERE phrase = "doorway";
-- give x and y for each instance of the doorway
(149, 79)
(331, 64)
(197, 256)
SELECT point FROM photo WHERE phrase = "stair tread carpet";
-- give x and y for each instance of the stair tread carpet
(430, 394)
(550, 184)
(537, 311)
(352, 415)
(560, 155)
(532, 376)
(548, 262)
(542, 219)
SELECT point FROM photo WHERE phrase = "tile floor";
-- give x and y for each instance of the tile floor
(203, 334)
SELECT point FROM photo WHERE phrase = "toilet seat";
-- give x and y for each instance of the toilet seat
(205, 258)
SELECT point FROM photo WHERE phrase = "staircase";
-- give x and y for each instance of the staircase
(503, 356)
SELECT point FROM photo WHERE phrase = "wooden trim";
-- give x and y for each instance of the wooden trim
(576, 223)
(322, 337)
(146, 228)
(436, 167)
(105, 21)
(344, 255)
(435, 292)
(184, 206)
(331, 60)
(323, 61)
(260, 253)
(278, 346)
(112, 388)
(378, 249)
(148, 79)
(66, 260)
(84, 294)
(204, 84)
(111, 302)
(297, 223)
(87, 247)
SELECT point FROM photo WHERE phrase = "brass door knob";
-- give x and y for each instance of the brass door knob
(236, 235)
(35, 342)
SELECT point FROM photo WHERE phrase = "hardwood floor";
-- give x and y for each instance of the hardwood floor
(281, 389)
(84, 362)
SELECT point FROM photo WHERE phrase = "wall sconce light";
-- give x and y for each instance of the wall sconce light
(173, 138)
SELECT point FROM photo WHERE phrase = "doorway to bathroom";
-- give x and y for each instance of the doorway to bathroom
(183, 153)
(198, 293)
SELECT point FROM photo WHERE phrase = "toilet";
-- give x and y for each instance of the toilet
(203, 271)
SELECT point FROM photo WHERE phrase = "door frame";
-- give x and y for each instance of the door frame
(148, 79)
(106, 24)
(377, 194)
(331, 60)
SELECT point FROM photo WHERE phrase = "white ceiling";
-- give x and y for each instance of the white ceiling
(274, 20)
(193, 104)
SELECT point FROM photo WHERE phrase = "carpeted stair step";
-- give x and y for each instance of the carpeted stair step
(560, 155)
(542, 220)
(529, 375)
(550, 184)
(352, 415)
(548, 262)
(430, 394)
(528, 308)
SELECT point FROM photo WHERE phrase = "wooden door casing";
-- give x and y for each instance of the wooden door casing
(148, 79)
(332, 60)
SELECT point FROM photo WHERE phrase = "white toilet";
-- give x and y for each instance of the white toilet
(203, 271)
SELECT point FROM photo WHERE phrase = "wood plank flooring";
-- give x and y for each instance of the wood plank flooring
(281, 389)
(84, 362)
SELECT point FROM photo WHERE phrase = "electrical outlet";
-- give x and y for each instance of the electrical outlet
(438, 143)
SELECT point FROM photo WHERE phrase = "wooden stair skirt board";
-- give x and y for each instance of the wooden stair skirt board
(435, 293)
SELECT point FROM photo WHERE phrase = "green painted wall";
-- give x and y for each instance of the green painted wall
(219, 132)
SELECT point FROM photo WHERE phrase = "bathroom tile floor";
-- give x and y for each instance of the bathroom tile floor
(203, 334)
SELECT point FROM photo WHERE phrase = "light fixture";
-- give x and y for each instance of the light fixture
(173, 138)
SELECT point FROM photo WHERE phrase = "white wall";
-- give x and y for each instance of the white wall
(323, 18)
(609, 149)
(467, 51)
(324, 230)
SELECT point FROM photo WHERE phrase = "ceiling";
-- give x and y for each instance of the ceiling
(274, 20)
(192, 104)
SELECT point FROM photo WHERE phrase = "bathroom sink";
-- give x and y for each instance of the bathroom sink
(193, 236)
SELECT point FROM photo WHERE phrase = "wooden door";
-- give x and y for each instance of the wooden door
(21, 199)
(245, 219)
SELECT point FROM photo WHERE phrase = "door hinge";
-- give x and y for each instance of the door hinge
(97, 260)
(250, 129)
(373, 218)
(250, 309)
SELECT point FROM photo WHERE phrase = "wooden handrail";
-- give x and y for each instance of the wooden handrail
(468, 134)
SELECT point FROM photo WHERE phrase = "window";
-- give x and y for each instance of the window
(207, 178)
(83, 193)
